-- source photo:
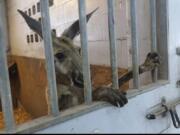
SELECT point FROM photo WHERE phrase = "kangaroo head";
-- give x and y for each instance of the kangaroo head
(67, 56)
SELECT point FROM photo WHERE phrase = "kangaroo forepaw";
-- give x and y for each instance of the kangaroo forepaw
(114, 97)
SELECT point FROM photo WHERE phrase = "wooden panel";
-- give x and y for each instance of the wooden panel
(101, 76)
(33, 81)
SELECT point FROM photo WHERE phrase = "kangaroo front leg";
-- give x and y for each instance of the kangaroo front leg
(114, 97)
(152, 61)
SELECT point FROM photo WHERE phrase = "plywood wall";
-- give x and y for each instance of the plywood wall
(33, 85)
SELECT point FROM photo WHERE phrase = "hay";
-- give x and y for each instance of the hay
(20, 115)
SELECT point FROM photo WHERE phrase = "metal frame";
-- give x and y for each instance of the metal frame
(55, 118)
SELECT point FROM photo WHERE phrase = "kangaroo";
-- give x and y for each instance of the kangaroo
(68, 67)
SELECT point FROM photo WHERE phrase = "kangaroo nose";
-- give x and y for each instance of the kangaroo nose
(77, 79)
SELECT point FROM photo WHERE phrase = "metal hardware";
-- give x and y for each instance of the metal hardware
(175, 117)
(178, 51)
(163, 108)
(160, 109)
(178, 84)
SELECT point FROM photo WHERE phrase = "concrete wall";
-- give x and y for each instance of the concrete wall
(131, 119)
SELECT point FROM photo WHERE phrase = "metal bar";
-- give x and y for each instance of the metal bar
(113, 45)
(84, 44)
(5, 90)
(135, 47)
(46, 30)
(153, 35)
(162, 8)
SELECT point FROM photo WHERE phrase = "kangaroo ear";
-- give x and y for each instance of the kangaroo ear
(32, 23)
(74, 29)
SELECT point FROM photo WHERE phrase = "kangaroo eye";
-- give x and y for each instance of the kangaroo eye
(60, 56)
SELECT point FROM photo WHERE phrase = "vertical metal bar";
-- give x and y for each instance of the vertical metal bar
(113, 45)
(46, 30)
(84, 44)
(162, 9)
(153, 35)
(135, 47)
(5, 90)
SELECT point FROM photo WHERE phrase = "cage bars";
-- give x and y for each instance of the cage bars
(135, 46)
(84, 45)
(113, 45)
(46, 30)
(153, 35)
(5, 90)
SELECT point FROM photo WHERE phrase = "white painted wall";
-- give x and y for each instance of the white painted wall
(18, 31)
(131, 119)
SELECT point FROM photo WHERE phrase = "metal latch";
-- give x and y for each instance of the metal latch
(178, 51)
(163, 108)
